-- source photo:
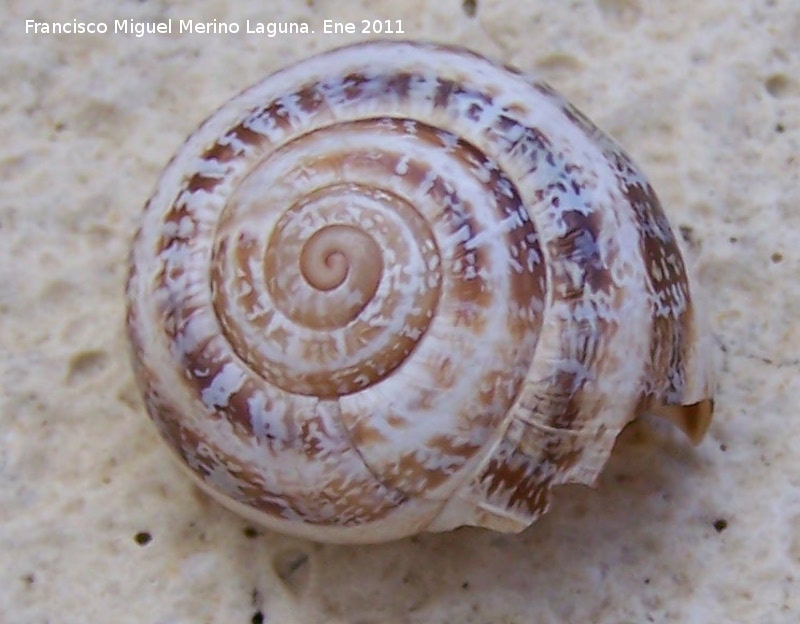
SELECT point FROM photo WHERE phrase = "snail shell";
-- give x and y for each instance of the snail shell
(398, 288)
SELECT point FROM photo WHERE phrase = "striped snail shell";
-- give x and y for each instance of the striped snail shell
(399, 288)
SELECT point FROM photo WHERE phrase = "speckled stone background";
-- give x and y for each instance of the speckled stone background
(98, 525)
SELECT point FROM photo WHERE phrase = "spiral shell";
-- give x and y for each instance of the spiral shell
(397, 287)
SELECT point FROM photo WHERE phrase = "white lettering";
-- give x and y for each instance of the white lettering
(64, 28)
(209, 28)
(331, 27)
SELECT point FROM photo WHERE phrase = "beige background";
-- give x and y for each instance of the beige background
(705, 94)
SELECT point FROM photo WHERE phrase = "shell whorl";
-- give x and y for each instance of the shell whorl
(395, 288)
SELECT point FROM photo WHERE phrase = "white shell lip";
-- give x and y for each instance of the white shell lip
(562, 310)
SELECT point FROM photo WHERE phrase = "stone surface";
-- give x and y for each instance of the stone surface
(98, 524)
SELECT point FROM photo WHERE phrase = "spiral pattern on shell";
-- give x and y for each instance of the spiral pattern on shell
(397, 288)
